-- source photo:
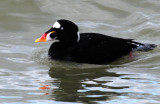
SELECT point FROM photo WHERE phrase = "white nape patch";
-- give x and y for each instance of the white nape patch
(48, 37)
(78, 39)
(62, 28)
(56, 25)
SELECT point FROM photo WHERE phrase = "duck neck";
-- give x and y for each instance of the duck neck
(69, 40)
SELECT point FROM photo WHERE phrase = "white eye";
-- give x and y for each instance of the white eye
(56, 25)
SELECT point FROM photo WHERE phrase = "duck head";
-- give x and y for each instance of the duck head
(63, 30)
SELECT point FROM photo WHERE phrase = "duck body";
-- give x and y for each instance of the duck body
(92, 48)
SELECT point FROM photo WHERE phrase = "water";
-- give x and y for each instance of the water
(25, 67)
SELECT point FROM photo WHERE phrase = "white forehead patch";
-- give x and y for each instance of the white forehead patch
(56, 25)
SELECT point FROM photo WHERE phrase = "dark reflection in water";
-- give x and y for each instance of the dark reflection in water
(72, 87)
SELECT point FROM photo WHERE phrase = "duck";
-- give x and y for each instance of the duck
(91, 48)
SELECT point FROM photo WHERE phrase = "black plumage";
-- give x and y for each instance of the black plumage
(93, 48)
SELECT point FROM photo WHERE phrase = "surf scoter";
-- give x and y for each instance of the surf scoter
(93, 48)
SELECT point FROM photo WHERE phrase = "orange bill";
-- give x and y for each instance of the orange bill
(43, 38)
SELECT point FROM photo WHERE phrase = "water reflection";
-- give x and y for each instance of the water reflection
(82, 85)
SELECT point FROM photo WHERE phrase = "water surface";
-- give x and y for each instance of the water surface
(25, 67)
